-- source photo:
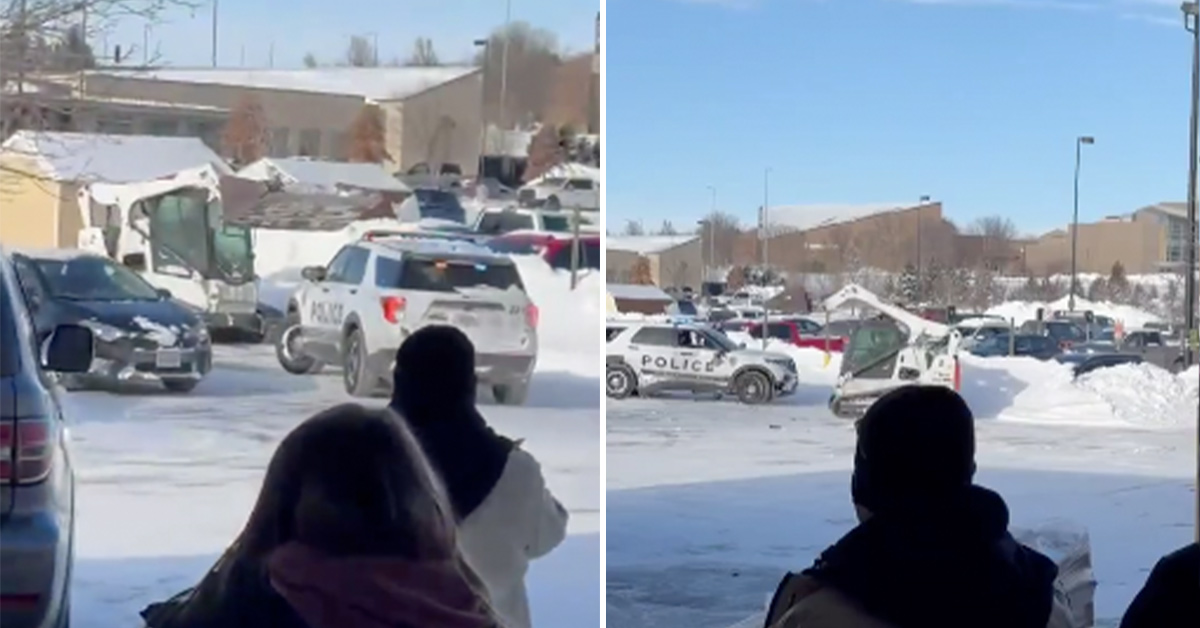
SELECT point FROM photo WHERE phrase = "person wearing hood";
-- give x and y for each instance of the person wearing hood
(1171, 595)
(932, 549)
(351, 530)
(506, 515)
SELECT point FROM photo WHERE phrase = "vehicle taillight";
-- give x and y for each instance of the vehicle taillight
(957, 375)
(531, 315)
(26, 451)
(393, 308)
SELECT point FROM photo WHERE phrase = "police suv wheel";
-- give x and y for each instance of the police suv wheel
(288, 351)
(355, 375)
(753, 387)
(619, 382)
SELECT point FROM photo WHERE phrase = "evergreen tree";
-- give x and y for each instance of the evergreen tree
(908, 285)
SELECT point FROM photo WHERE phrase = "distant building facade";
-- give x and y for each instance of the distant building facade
(1151, 239)
(675, 261)
(431, 115)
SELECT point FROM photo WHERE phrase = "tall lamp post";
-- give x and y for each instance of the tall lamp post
(486, 46)
(1191, 22)
(1079, 142)
(766, 243)
(920, 267)
(712, 233)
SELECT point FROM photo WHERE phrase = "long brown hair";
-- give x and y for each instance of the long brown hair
(348, 481)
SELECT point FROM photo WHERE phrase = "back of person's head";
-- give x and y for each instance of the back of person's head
(351, 481)
(916, 444)
(435, 369)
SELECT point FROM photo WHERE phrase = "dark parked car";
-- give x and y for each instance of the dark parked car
(37, 481)
(142, 334)
(1083, 363)
(1065, 333)
(1028, 345)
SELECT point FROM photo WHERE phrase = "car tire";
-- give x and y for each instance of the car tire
(289, 357)
(180, 385)
(553, 204)
(619, 381)
(356, 377)
(753, 388)
(64, 616)
(511, 394)
(1177, 366)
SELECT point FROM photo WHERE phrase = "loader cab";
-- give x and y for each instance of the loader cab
(179, 233)
(873, 349)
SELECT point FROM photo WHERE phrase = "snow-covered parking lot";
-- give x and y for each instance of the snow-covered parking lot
(709, 503)
(165, 482)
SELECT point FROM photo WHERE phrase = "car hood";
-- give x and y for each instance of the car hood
(136, 315)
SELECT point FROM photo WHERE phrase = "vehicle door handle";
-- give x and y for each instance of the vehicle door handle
(689, 354)
(353, 291)
(324, 289)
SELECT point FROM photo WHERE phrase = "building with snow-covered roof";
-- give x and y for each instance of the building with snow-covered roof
(431, 115)
(636, 299)
(324, 176)
(674, 260)
(41, 172)
(833, 237)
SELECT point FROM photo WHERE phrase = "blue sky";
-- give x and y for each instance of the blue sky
(974, 102)
(182, 37)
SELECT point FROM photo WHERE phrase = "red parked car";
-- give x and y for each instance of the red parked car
(800, 332)
(555, 248)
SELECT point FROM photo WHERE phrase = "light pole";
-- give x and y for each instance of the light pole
(766, 251)
(215, 8)
(712, 233)
(1079, 142)
(486, 45)
(504, 59)
(920, 267)
(1191, 21)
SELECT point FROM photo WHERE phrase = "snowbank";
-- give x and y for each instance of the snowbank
(1145, 395)
(1022, 311)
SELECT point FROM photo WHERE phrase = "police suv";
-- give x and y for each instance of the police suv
(356, 311)
(647, 355)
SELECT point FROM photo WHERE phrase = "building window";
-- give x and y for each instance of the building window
(113, 125)
(208, 132)
(341, 146)
(310, 142)
(163, 127)
(281, 142)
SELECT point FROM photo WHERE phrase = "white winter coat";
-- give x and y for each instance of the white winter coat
(518, 521)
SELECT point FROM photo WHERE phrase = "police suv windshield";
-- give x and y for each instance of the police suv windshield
(447, 275)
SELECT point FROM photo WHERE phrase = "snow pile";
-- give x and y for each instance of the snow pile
(1145, 395)
(565, 314)
(1022, 311)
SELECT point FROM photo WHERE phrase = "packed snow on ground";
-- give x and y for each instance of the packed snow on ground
(165, 482)
(1021, 311)
(709, 503)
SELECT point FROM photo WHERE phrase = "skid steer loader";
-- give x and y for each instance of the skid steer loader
(896, 349)
(172, 231)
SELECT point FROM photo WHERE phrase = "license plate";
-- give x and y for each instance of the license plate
(168, 359)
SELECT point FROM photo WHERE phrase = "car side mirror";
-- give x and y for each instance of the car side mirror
(134, 261)
(313, 273)
(69, 349)
(741, 345)
(163, 293)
